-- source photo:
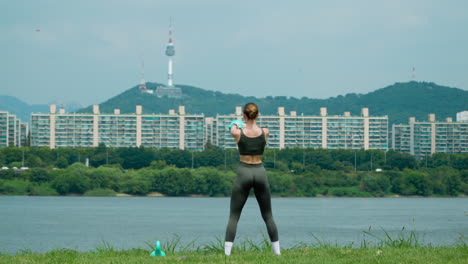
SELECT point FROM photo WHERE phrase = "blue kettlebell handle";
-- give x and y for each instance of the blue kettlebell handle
(239, 123)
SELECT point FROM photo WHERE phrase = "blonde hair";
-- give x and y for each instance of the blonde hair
(251, 111)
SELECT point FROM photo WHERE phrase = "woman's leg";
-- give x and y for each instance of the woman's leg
(240, 192)
(262, 193)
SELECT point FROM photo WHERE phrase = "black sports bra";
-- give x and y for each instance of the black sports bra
(251, 145)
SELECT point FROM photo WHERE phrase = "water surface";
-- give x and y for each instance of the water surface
(85, 223)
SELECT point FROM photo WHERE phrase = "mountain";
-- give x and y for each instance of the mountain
(23, 110)
(398, 101)
(403, 100)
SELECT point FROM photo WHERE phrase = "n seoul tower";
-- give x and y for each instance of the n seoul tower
(170, 52)
(170, 90)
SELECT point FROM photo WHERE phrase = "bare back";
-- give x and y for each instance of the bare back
(250, 130)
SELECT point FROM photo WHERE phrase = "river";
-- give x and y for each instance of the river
(42, 224)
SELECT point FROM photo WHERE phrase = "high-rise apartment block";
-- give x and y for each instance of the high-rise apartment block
(423, 138)
(192, 132)
(323, 131)
(13, 132)
(172, 130)
(179, 130)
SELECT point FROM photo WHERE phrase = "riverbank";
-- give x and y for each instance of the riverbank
(157, 194)
(216, 182)
(324, 255)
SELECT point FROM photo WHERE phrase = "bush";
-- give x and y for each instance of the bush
(7, 174)
(100, 192)
(39, 175)
(14, 187)
(453, 184)
(216, 182)
(158, 164)
(73, 179)
(377, 184)
(43, 190)
(415, 183)
(304, 185)
(132, 183)
(105, 178)
(464, 188)
(280, 183)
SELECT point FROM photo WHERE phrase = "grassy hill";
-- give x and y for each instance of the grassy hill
(399, 101)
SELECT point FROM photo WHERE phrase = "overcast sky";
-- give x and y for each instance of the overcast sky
(88, 51)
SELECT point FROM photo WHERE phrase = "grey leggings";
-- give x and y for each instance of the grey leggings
(248, 176)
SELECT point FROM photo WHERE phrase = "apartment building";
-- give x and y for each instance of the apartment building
(173, 130)
(323, 131)
(423, 138)
(13, 132)
(4, 129)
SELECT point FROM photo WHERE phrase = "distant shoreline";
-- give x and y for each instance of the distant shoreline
(157, 194)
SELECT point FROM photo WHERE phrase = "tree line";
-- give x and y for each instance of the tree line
(291, 172)
(292, 158)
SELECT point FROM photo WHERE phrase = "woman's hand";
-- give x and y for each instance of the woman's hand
(237, 123)
(235, 129)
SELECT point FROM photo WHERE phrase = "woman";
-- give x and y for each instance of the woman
(251, 141)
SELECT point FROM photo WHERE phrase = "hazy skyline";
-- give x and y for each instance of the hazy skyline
(89, 51)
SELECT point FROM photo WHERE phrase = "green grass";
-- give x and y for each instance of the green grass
(42, 190)
(100, 193)
(404, 247)
(297, 255)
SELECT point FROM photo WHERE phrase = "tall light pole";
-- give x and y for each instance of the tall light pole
(225, 166)
(355, 161)
(274, 158)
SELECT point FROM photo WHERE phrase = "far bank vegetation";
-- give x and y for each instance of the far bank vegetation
(291, 172)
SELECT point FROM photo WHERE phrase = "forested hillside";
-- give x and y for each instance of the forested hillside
(399, 101)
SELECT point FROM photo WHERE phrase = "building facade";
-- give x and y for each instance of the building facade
(178, 130)
(4, 129)
(172, 130)
(323, 131)
(462, 116)
(13, 132)
(423, 138)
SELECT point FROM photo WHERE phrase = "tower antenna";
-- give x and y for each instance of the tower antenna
(170, 52)
(142, 82)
